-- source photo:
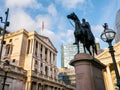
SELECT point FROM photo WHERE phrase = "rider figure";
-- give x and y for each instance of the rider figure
(86, 26)
(87, 29)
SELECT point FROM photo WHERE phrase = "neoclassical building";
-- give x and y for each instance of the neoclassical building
(109, 73)
(32, 61)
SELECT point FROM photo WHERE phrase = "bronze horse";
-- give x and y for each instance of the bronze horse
(83, 35)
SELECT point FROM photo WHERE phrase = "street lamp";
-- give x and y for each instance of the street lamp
(6, 24)
(6, 68)
(107, 36)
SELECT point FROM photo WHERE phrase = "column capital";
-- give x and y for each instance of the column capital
(108, 65)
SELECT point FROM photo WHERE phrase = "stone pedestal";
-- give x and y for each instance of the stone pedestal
(88, 72)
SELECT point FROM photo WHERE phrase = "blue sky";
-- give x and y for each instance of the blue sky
(29, 14)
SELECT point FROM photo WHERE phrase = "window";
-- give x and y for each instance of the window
(41, 72)
(41, 48)
(13, 60)
(41, 52)
(36, 48)
(51, 69)
(35, 70)
(46, 50)
(53, 58)
(8, 49)
(46, 71)
(40, 56)
(10, 40)
(33, 85)
(50, 57)
(36, 44)
(41, 64)
(28, 48)
(36, 62)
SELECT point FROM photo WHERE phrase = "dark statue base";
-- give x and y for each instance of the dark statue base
(88, 72)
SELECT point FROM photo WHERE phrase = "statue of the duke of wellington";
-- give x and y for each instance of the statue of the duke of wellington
(83, 34)
(88, 70)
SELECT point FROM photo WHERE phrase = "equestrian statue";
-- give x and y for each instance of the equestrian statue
(83, 34)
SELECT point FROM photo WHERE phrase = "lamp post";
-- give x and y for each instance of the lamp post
(6, 24)
(107, 36)
(6, 68)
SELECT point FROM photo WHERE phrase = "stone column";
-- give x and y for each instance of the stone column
(43, 52)
(52, 58)
(118, 66)
(31, 45)
(34, 47)
(109, 78)
(106, 80)
(88, 72)
(29, 85)
(48, 56)
(55, 58)
(38, 50)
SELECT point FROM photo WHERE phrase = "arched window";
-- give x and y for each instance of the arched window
(8, 49)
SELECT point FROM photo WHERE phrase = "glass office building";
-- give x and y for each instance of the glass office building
(117, 27)
(67, 53)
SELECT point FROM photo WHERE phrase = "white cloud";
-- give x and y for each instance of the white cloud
(71, 3)
(47, 19)
(59, 38)
(67, 36)
(70, 36)
(20, 20)
(97, 31)
(55, 38)
(109, 13)
(21, 4)
(97, 28)
(52, 10)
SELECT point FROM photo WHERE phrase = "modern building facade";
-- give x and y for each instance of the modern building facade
(67, 53)
(108, 72)
(117, 26)
(32, 61)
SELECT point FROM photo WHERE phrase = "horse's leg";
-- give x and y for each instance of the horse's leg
(84, 47)
(78, 47)
(77, 42)
(93, 49)
(88, 48)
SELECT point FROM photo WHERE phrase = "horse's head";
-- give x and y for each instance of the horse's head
(72, 16)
